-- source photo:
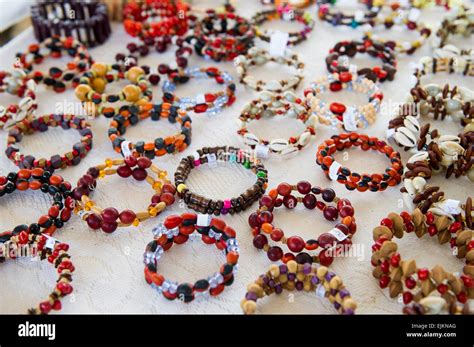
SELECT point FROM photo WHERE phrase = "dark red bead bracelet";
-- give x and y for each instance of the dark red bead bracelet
(330, 242)
(178, 230)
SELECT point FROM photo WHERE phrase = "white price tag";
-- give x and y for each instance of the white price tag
(333, 170)
(339, 235)
(203, 220)
(451, 206)
(350, 123)
(261, 151)
(321, 291)
(49, 242)
(125, 147)
(200, 99)
(212, 159)
(278, 43)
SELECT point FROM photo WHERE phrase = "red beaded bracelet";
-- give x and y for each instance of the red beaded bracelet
(41, 124)
(39, 179)
(330, 242)
(352, 180)
(178, 230)
(43, 247)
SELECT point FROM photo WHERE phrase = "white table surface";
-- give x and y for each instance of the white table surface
(109, 268)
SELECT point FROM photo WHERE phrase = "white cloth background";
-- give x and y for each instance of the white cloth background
(109, 269)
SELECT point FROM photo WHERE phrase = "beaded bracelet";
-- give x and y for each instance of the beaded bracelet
(307, 277)
(109, 219)
(42, 124)
(55, 47)
(211, 156)
(211, 103)
(459, 23)
(292, 3)
(258, 57)
(160, 146)
(352, 180)
(222, 36)
(336, 18)
(88, 21)
(330, 242)
(287, 14)
(153, 18)
(178, 230)
(337, 60)
(44, 248)
(403, 277)
(92, 85)
(274, 105)
(337, 115)
(16, 83)
(39, 179)
(432, 65)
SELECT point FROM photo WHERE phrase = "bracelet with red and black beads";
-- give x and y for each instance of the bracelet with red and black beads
(331, 242)
(352, 180)
(53, 185)
(178, 230)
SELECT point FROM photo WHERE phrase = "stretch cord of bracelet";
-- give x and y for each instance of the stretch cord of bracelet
(300, 277)
(55, 252)
(129, 116)
(353, 180)
(331, 243)
(56, 47)
(88, 21)
(256, 57)
(211, 156)
(286, 13)
(53, 185)
(17, 83)
(431, 291)
(178, 230)
(337, 115)
(91, 90)
(109, 219)
(432, 65)
(222, 36)
(277, 105)
(154, 18)
(42, 124)
(459, 23)
(338, 59)
(334, 17)
(210, 103)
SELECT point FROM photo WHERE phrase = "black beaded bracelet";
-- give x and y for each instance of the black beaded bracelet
(85, 20)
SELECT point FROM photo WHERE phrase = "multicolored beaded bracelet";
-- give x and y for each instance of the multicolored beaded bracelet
(355, 20)
(55, 47)
(310, 278)
(88, 21)
(42, 124)
(153, 18)
(431, 65)
(331, 243)
(352, 180)
(92, 86)
(39, 179)
(292, 3)
(178, 230)
(222, 36)
(211, 156)
(17, 83)
(211, 103)
(43, 247)
(460, 23)
(173, 144)
(109, 219)
(257, 57)
(286, 13)
(404, 278)
(337, 115)
(277, 105)
(338, 59)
